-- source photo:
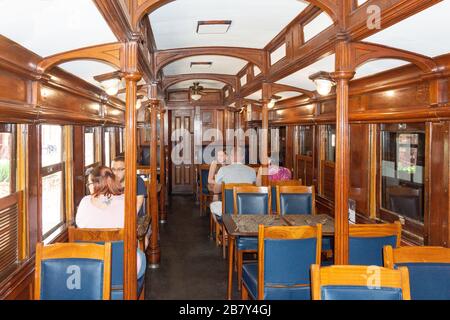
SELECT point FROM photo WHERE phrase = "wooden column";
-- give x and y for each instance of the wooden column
(342, 77)
(130, 272)
(264, 143)
(154, 252)
(162, 167)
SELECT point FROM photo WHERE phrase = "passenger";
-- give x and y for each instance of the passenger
(276, 173)
(118, 168)
(220, 160)
(236, 172)
(104, 208)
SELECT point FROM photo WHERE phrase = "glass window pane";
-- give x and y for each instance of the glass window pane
(52, 200)
(51, 140)
(306, 140)
(89, 149)
(107, 149)
(402, 171)
(6, 150)
(330, 143)
(121, 142)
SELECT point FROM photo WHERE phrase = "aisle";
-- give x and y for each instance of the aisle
(192, 267)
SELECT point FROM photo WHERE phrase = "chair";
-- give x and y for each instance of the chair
(429, 270)
(227, 208)
(115, 237)
(366, 242)
(274, 185)
(249, 200)
(69, 271)
(295, 200)
(359, 283)
(205, 194)
(285, 256)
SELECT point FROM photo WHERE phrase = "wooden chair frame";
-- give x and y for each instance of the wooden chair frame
(282, 233)
(292, 183)
(99, 235)
(77, 251)
(415, 255)
(357, 276)
(296, 190)
(377, 230)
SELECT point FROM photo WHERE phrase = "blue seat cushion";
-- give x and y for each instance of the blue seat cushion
(117, 290)
(327, 243)
(253, 203)
(71, 279)
(229, 202)
(247, 243)
(360, 293)
(250, 279)
(205, 175)
(369, 251)
(429, 281)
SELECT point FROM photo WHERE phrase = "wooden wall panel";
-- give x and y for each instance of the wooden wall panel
(12, 87)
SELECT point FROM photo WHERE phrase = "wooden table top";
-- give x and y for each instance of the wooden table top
(247, 225)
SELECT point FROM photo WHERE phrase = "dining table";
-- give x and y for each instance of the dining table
(247, 226)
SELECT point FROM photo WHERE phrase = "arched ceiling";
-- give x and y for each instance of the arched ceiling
(253, 22)
(48, 27)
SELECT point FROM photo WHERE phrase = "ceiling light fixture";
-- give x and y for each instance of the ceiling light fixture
(213, 26)
(111, 86)
(196, 96)
(323, 81)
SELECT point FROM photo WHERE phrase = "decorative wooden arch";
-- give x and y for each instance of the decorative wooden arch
(226, 79)
(364, 52)
(255, 56)
(141, 8)
(112, 54)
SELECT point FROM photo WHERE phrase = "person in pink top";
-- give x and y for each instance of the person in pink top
(276, 173)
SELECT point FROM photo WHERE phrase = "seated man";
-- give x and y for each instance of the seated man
(236, 172)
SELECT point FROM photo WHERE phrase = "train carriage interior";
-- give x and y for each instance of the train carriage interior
(224, 150)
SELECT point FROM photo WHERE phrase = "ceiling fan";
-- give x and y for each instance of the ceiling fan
(197, 91)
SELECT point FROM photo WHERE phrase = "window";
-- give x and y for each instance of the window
(305, 140)
(7, 160)
(92, 147)
(109, 140)
(121, 140)
(52, 179)
(330, 143)
(402, 171)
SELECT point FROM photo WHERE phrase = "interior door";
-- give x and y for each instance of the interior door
(183, 173)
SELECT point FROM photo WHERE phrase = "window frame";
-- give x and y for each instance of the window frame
(50, 170)
(414, 231)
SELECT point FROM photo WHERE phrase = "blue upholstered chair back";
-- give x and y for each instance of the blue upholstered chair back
(228, 201)
(428, 281)
(360, 293)
(369, 251)
(253, 203)
(72, 279)
(287, 262)
(204, 174)
(299, 203)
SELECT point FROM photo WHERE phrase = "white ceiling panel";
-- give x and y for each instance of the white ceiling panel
(426, 32)
(288, 95)
(221, 65)
(378, 66)
(300, 79)
(255, 96)
(254, 22)
(316, 26)
(47, 27)
(207, 84)
(87, 70)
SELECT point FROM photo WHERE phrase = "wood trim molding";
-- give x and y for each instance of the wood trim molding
(226, 79)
